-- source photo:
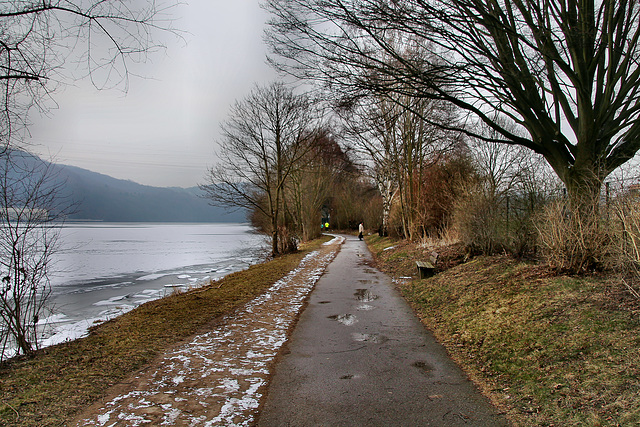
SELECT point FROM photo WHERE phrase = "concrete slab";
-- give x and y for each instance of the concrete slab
(359, 356)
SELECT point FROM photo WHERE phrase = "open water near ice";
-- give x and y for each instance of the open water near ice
(106, 269)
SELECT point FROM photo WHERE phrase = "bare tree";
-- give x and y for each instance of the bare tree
(508, 169)
(41, 40)
(31, 212)
(399, 145)
(42, 44)
(265, 137)
(317, 181)
(500, 206)
(565, 72)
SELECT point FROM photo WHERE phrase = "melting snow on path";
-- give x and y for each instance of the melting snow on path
(219, 377)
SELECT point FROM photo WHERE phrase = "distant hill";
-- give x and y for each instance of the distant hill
(103, 198)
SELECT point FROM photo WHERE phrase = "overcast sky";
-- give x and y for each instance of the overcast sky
(162, 132)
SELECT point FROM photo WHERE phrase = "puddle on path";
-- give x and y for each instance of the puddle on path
(364, 307)
(365, 295)
(424, 366)
(324, 302)
(345, 319)
(374, 338)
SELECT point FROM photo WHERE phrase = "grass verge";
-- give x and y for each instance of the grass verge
(51, 387)
(548, 349)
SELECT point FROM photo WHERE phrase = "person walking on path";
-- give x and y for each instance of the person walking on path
(360, 231)
(360, 357)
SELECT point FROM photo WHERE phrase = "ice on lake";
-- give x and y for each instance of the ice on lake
(106, 269)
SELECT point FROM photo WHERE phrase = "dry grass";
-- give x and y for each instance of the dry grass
(549, 349)
(398, 257)
(576, 241)
(53, 386)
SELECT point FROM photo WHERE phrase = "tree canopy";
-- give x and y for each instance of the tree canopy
(565, 71)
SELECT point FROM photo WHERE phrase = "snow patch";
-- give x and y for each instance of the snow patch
(226, 367)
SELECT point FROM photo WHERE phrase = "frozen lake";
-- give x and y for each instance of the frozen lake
(106, 269)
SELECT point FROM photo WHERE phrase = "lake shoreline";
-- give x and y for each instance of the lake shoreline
(109, 269)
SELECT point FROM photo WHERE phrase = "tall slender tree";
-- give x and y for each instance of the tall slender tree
(400, 145)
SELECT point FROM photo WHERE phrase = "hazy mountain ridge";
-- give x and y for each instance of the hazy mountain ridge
(100, 197)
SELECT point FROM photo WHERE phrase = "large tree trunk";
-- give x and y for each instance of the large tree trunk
(584, 240)
(584, 182)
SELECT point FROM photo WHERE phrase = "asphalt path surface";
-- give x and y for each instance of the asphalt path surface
(359, 356)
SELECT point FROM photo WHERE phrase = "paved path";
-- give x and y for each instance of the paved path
(359, 356)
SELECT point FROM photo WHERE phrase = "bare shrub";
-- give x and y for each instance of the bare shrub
(496, 214)
(628, 215)
(522, 208)
(31, 210)
(491, 223)
(625, 225)
(448, 236)
(574, 241)
(288, 241)
(478, 221)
